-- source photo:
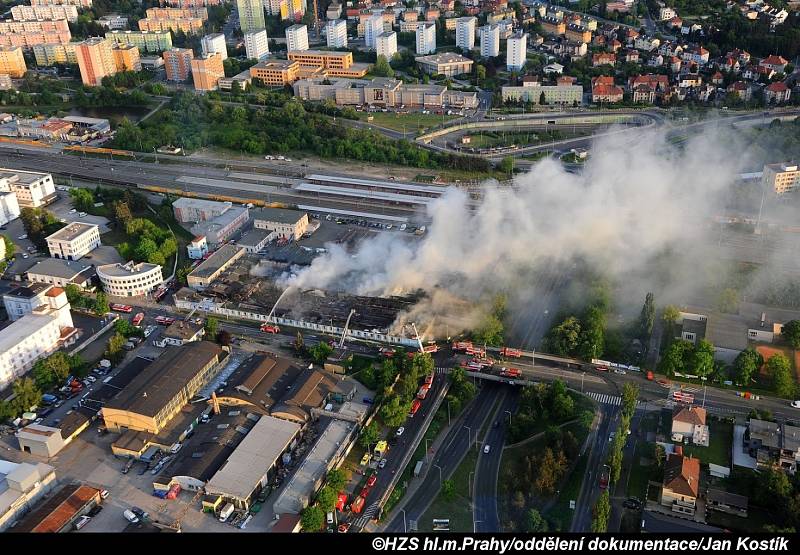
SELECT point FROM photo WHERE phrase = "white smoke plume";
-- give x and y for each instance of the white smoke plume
(632, 202)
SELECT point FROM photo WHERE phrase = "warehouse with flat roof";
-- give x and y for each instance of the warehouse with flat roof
(162, 389)
(59, 512)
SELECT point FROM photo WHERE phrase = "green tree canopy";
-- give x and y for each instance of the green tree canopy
(601, 513)
(780, 371)
(746, 366)
(791, 333)
(312, 519)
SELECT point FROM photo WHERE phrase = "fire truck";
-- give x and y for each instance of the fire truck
(461, 345)
(423, 391)
(137, 320)
(509, 352)
(510, 372)
(164, 320)
(415, 407)
(269, 328)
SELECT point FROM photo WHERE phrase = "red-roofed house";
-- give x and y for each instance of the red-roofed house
(614, 45)
(604, 90)
(604, 58)
(689, 423)
(675, 22)
(681, 484)
(740, 89)
(731, 64)
(717, 78)
(755, 72)
(631, 56)
(659, 83)
(643, 93)
(777, 92)
(775, 63)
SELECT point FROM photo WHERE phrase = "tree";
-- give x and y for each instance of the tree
(448, 490)
(674, 358)
(327, 499)
(773, 488)
(224, 338)
(211, 327)
(369, 435)
(125, 328)
(779, 369)
(114, 349)
(312, 519)
(659, 454)
(298, 342)
(506, 165)
(394, 411)
(74, 294)
(601, 512)
(337, 479)
(534, 521)
(671, 314)
(320, 352)
(746, 365)
(647, 318)
(552, 466)
(122, 213)
(26, 394)
(563, 338)
(480, 72)
(82, 199)
(791, 333)
(630, 393)
(145, 249)
(101, 307)
(702, 359)
(542, 99)
(728, 301)
(381, 67)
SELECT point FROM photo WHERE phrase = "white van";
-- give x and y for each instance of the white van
(330, 518)
(226, 512)
(130, 517)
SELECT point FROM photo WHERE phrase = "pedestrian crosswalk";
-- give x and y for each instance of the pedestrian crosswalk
(606, 399)
(367, 515)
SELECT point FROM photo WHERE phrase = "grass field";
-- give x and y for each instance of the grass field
(458, 508)
(641, 473)
(720, 444)
(560, 515)
(409, 123)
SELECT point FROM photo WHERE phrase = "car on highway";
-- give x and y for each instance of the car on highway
(269, 157)
(400, 431)
(486, 449)
(72, 211)
(611, 436)
(382, 464)
(632, 503)
(371, 480)
(796, 404)
(619, 371)
(82, 214)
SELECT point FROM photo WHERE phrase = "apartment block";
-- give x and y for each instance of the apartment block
(95, 60)
(276, 73)
(337, 33)
(297, 38)
(189, 25)
(178, 63)
(490, 41)
(782, 178)
(256, 45)
(517, 51)
(386, 44)
(207, 71)
(465, 32)
(532, 92)
(292, 9)
(214, 43)
(426, 38)
(12, 62)
(29, 33)
(28, 13)
(52, 54)
(373, 27)
(77, 3)
(126, 57)
(145, 41)
(251, 15)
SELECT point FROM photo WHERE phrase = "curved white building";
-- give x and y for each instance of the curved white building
(130, 280)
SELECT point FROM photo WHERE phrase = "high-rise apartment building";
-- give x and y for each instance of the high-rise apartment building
(782, 178)
(386, 44)
(337, 33)
(178, 63)
(145, 41)
(256, 45)
(95, 60)
(215, 43)
(426, 38)
(12, 62)
(207, 71)
(465, 32)
(297, 38)
(490, 41)
(517, 51)
(126, 57)
(373, 27)
(251, 15)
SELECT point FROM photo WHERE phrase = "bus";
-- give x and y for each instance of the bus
(164, 320)
(137, 320)
(415, 407)
(127, 309)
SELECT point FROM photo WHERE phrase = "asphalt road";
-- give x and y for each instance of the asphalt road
(484, 486)
(444, 463)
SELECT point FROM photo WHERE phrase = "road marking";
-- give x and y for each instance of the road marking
(606, 399)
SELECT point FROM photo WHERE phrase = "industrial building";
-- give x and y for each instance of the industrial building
(288, 224)
(198, 210)
(163, 388)
(221, 228)
(33, 189)
(42, 441)
(213, 266)
(254, 240)
(59, 512)
(22, 486)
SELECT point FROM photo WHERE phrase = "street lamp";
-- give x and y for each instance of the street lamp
(405, 528)
(440, 474)
(509, 417)
(582, 376)
(469, 431)
(469, 482)
(475, 526)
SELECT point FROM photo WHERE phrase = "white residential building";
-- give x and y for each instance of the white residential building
(22, 300)
(33, 189)
(465, 32)
(490, 41)
(197, 248)
(130, 280)
(9, 207)
(337, 33)
(215, 43)
(386, 44)
(297, 38)
(517, 52)
(23, 485)
(114, 22)
(665, 13)
(23, 342)
(256, 45)
(426, 38)
(74, 241)
(373, 27)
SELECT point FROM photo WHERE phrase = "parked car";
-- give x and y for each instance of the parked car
(796, 404)
(632, 503)
(382, 463)
(82, 521)
(95, 511)
(130, 516)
